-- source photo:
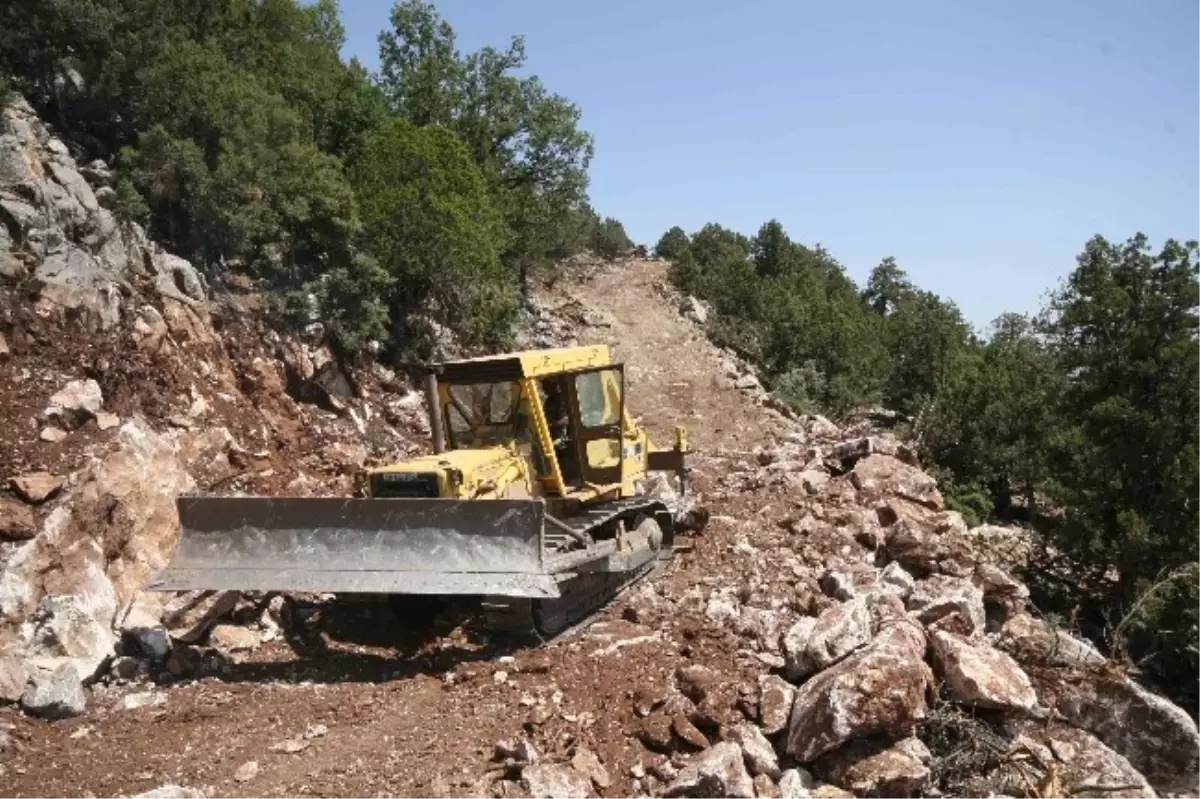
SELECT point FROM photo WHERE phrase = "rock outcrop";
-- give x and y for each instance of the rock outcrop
(126, 385)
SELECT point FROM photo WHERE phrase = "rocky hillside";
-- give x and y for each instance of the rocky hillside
(833, 631)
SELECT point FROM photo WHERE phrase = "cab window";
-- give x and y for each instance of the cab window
(599, 396)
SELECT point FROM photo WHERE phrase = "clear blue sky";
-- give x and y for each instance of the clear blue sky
(980, 143)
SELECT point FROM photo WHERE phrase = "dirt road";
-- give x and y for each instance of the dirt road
(375, 706)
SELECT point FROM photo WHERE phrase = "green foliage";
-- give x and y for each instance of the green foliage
(1125, 330)
(787, 307)
(672, 245)
(240, 137)
(525, 139)
(608, 239)
(430, 223)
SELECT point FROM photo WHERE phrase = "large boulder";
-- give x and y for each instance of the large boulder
(934, 546)
(95, 551)
(979, 675)
(1035, 642)
(814, 644)
(935, 598)
(57, 696)
(1156, 736)
(716, 772)
(1077, 763)
(72, 279)
(883, 475)
(775, 698)
(877, 767)
(756, 749)
(879, 690)
(72, 629)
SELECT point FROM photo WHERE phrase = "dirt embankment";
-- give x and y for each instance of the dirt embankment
(833, 631)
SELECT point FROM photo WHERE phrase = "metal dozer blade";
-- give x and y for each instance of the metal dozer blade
(385, 546)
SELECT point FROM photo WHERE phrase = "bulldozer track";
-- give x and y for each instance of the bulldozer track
(583, 595)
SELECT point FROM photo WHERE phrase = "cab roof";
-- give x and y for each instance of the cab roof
(528, 363)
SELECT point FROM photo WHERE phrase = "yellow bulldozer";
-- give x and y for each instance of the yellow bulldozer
(533, 502)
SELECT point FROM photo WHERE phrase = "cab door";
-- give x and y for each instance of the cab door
(599, 400)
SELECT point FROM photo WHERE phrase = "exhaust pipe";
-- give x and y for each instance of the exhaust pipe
(435, 412)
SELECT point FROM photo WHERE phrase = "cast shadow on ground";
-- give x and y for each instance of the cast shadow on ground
(367, 641)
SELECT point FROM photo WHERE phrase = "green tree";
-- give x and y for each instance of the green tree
(609, 239)
(526, 139)
(995, 420)
(887, 287)
(672, 244)
(926, 339)
(1125, 328)
(430, 223)
(771, 250)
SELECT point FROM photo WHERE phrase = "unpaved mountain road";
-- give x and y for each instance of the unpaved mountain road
(417, 712)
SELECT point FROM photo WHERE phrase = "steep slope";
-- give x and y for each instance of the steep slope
(833, 631)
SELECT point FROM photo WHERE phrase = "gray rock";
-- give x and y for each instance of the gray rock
(20, 213)
(756, 749)
(76, 402)
(940, 595)
(73, 279)
(884, 475)
(97, 172)
(143, 619)
(811, 645)
(554, 780)
(797, 783)
(1156, 736)
(75, 628)
(879, 690)
(58, 697)
(775, 697)
(896, 580)
(876, 767)
(586, 762)
(13, 677)
(178, 278)
(190, 615)
(716, 772)
(1084, 764)
(75, 185)
(16, 161)
(979, 675)
(1031, 640)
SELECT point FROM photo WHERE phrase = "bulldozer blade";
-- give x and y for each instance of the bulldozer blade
(389, 546)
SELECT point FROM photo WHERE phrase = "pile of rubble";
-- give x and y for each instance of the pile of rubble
(896, 654)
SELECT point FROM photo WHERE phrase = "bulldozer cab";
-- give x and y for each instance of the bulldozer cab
(564, 409)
